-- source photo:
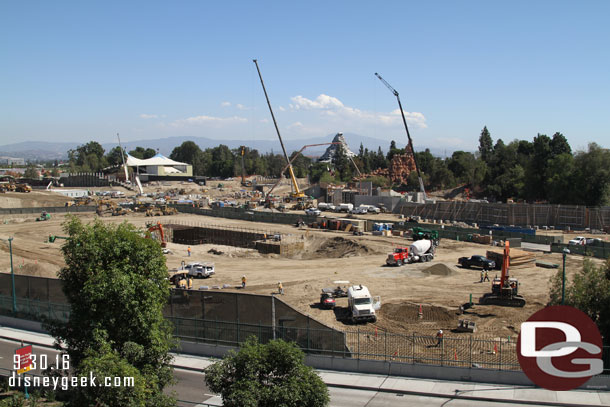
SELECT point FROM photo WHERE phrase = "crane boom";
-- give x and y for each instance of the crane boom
(395, 92)
(297, 192)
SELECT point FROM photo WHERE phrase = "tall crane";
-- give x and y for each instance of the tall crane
(395, 92)
(296, 193)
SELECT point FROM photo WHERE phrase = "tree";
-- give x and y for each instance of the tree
(115, 281)
(113, 158)
(142, 153)
(588, 291)
(31, 172)
(266, 376)
(189, 152)
(485, 145)
(88, 157)
(592, 176)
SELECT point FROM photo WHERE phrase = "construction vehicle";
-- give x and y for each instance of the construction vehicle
(23, 188)
(181, 280)
(200, 270)
(156, 232)
(296, 193)
(504, 290)
(327, 301)
(43, 216)
(398, 257)
(419, 251)
(119, 211)
(105, 207)
(361, 304)
(421, 233)
(82, 200)
(395, 92)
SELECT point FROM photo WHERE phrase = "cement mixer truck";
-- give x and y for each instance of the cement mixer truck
(419, 251)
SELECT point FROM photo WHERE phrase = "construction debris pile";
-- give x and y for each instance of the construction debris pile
(400, 168)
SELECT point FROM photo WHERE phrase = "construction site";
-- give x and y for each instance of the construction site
(386, 279)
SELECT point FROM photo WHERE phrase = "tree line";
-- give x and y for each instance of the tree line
(542, 170)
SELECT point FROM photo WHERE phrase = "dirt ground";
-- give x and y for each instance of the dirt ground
(440, 286)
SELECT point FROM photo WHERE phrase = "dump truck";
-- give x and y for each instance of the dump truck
(361, 304)
(43, 216)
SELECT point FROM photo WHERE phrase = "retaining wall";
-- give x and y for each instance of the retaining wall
(50, 209)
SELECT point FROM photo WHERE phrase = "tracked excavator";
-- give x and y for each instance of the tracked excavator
(157, 230)
(504, 290)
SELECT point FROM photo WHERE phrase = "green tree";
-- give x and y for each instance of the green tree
(88, 157)
(190, 153)
(113, 158)
(31, 172)
(270, 375)
(115, 281)
(592, 176)
(142, 153)
(588, 291)
(485, 145)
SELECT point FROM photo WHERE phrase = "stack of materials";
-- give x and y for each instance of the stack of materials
(483, 239)
(518, 258)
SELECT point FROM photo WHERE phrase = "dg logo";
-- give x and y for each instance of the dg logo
(560, 348)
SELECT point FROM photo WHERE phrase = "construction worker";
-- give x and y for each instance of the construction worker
(189, 251)
(482, 276)
(439, 337)
(280, 288)
(486, 276)
(243, 281)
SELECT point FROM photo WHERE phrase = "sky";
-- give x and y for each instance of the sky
(79, 71)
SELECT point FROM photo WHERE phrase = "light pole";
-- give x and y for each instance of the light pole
(566, 251)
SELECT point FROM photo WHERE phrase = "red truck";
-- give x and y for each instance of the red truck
(398, 257)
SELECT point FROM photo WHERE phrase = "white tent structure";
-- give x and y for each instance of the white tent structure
(159, 166)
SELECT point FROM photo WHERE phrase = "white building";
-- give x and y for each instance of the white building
(159, 166)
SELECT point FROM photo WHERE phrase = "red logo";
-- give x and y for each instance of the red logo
(560, 348)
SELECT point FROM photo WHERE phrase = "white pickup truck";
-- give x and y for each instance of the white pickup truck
(200, 270)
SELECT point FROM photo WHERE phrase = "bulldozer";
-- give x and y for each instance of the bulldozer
(504, 290)
(23, 188)
(168, 210)
(105, 207)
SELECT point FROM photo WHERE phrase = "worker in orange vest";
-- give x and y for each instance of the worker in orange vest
(439, 337)
(189, 251)
(243, 281)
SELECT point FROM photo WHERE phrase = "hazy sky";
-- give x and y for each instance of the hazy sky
(85, 70)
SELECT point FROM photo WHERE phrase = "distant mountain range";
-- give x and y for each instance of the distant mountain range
(39, 150)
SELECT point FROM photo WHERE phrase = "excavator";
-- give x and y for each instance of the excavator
(157, 230)
(504, 290)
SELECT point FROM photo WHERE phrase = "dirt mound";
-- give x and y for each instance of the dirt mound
(408, 312)
(339, 247)
(439, 269)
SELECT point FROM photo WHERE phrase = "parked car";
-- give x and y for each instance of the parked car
(312, 211)
(578, 240)
(477, 261)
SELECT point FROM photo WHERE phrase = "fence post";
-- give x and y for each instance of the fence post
(500, 351)
(385, 346)
(413, 349)
(470, 346)
(358, 333)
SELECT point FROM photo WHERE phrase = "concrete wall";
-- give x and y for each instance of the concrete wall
(390, 202)
(50, 209)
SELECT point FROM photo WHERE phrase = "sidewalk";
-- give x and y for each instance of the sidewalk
(393, 384)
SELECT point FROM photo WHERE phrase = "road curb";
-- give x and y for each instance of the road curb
(457, 396)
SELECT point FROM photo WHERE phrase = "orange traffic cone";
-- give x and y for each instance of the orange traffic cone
(495, 348)
(455, 354)
(375, 332)
(421, 313)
